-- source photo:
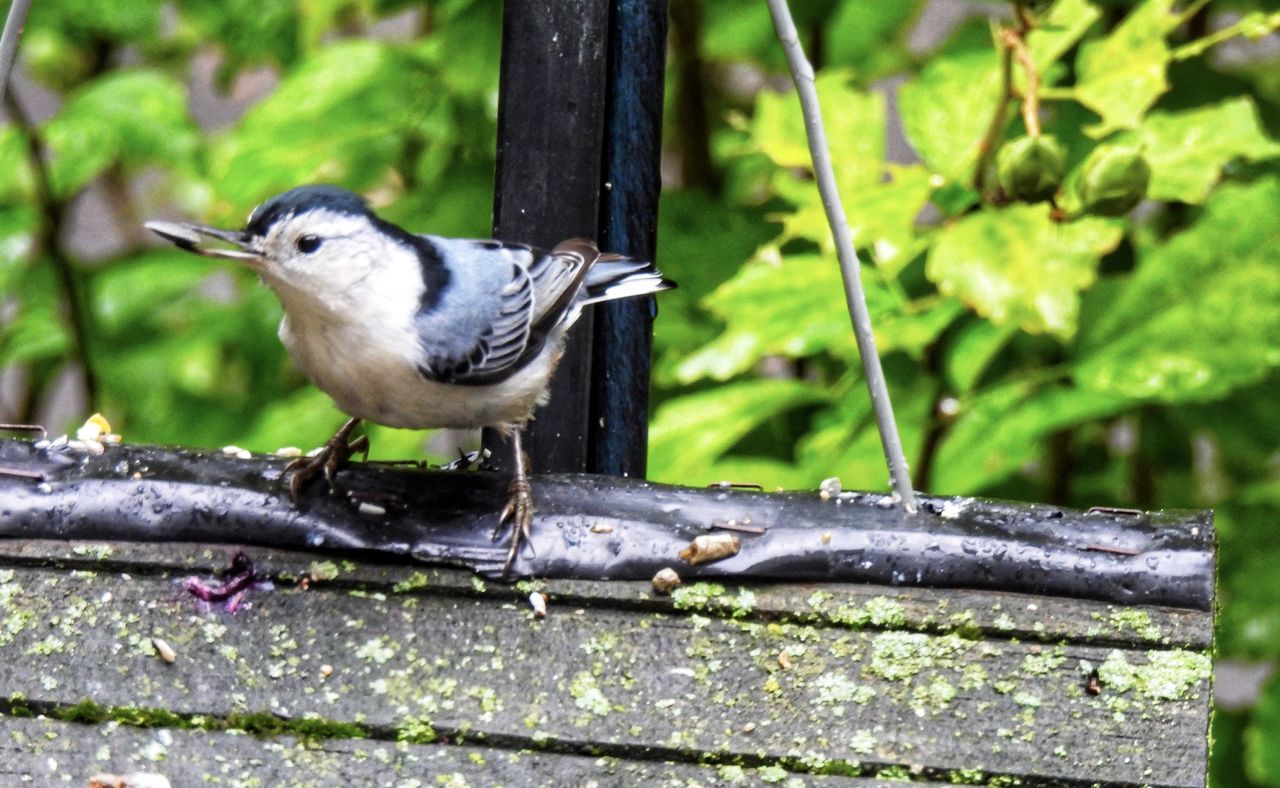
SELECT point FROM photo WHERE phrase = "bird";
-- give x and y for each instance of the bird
(417, 331)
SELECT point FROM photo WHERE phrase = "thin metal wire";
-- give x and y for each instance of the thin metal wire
(9, 40)
(802, 75)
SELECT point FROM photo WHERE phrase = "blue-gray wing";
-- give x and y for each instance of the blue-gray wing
(502, 302)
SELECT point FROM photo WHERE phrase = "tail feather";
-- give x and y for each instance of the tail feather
(614, 276)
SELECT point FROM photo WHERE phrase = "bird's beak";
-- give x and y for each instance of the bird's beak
(195, 238)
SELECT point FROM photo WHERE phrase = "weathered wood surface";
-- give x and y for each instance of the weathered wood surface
(776, 680)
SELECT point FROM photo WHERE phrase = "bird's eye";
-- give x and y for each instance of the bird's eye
(308, 243)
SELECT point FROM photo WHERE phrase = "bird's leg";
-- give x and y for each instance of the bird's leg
(331, 456)
(519, 508)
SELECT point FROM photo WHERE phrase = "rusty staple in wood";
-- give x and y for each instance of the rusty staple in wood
(734, 525)
(1106, 548)
(1114, 510)
(26, 428)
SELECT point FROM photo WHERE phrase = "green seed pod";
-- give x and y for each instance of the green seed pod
(1031, 168)
(1113, 180)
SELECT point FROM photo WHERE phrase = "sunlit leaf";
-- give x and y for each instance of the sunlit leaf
(1201, 316)
(972, 351)
(845, 440)
(343, 116)
(853, 120)
(132, 291)
(1187, 150)
(1121, 76)
(1015, 265)
(794, 307)
(1059, 30)
(691, 432)
(1000, 429)
(947, 108)
(133, 117)
(881, 214)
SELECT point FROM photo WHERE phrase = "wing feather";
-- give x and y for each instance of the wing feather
(539, 296)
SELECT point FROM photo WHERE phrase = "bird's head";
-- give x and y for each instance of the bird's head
(310, 242)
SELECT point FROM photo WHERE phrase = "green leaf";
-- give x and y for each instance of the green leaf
(1262, 757)
(343, 116)
(947, 108)
(857, 33)
(1187, 150)
(16, 176)
(89, 21)
(128, 293)
(691, 432)
(793, 307)
(853, 119)
(974, 348)
(1059, 30)
(999, 430)
(881, 214)
(1201, 316)
(36, 332)
(845, 440)
(134, 117)
(248, 32)
(1121, 76)
(1015, 265)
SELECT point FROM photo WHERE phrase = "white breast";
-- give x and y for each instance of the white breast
(372, 378)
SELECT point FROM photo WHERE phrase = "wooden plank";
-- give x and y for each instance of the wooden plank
(41, 750)
(550, 124)
(638, 678)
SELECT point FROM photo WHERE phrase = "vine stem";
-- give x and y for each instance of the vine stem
(52, 220)
(9, 40)
(987, 147)
(802, 75)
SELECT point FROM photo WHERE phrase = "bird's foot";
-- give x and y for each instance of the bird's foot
(328, 458)
(519, 512)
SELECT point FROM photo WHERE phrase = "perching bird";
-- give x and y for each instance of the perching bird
(417, 331)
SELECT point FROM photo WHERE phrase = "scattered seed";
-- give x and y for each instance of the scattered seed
(326, 670)
(538, 601)
(784, 660)
(237, 452)
(830, 486)
(372, 509)
(601, 528)
(826, 537)
(164, 650)
(110, 438)
(711, 547)
(666, 580)
(749, 727)
(288, 451)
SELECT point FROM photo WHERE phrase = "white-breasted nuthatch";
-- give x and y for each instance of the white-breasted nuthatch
(417, 331)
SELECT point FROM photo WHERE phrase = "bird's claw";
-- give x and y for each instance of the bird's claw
(331, 456)
(519, 512)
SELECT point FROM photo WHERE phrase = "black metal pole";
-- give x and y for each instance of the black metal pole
(551, 108)
(619, 423)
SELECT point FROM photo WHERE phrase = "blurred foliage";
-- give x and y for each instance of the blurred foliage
(1034, 351)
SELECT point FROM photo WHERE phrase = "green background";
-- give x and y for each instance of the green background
(1094, 361)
